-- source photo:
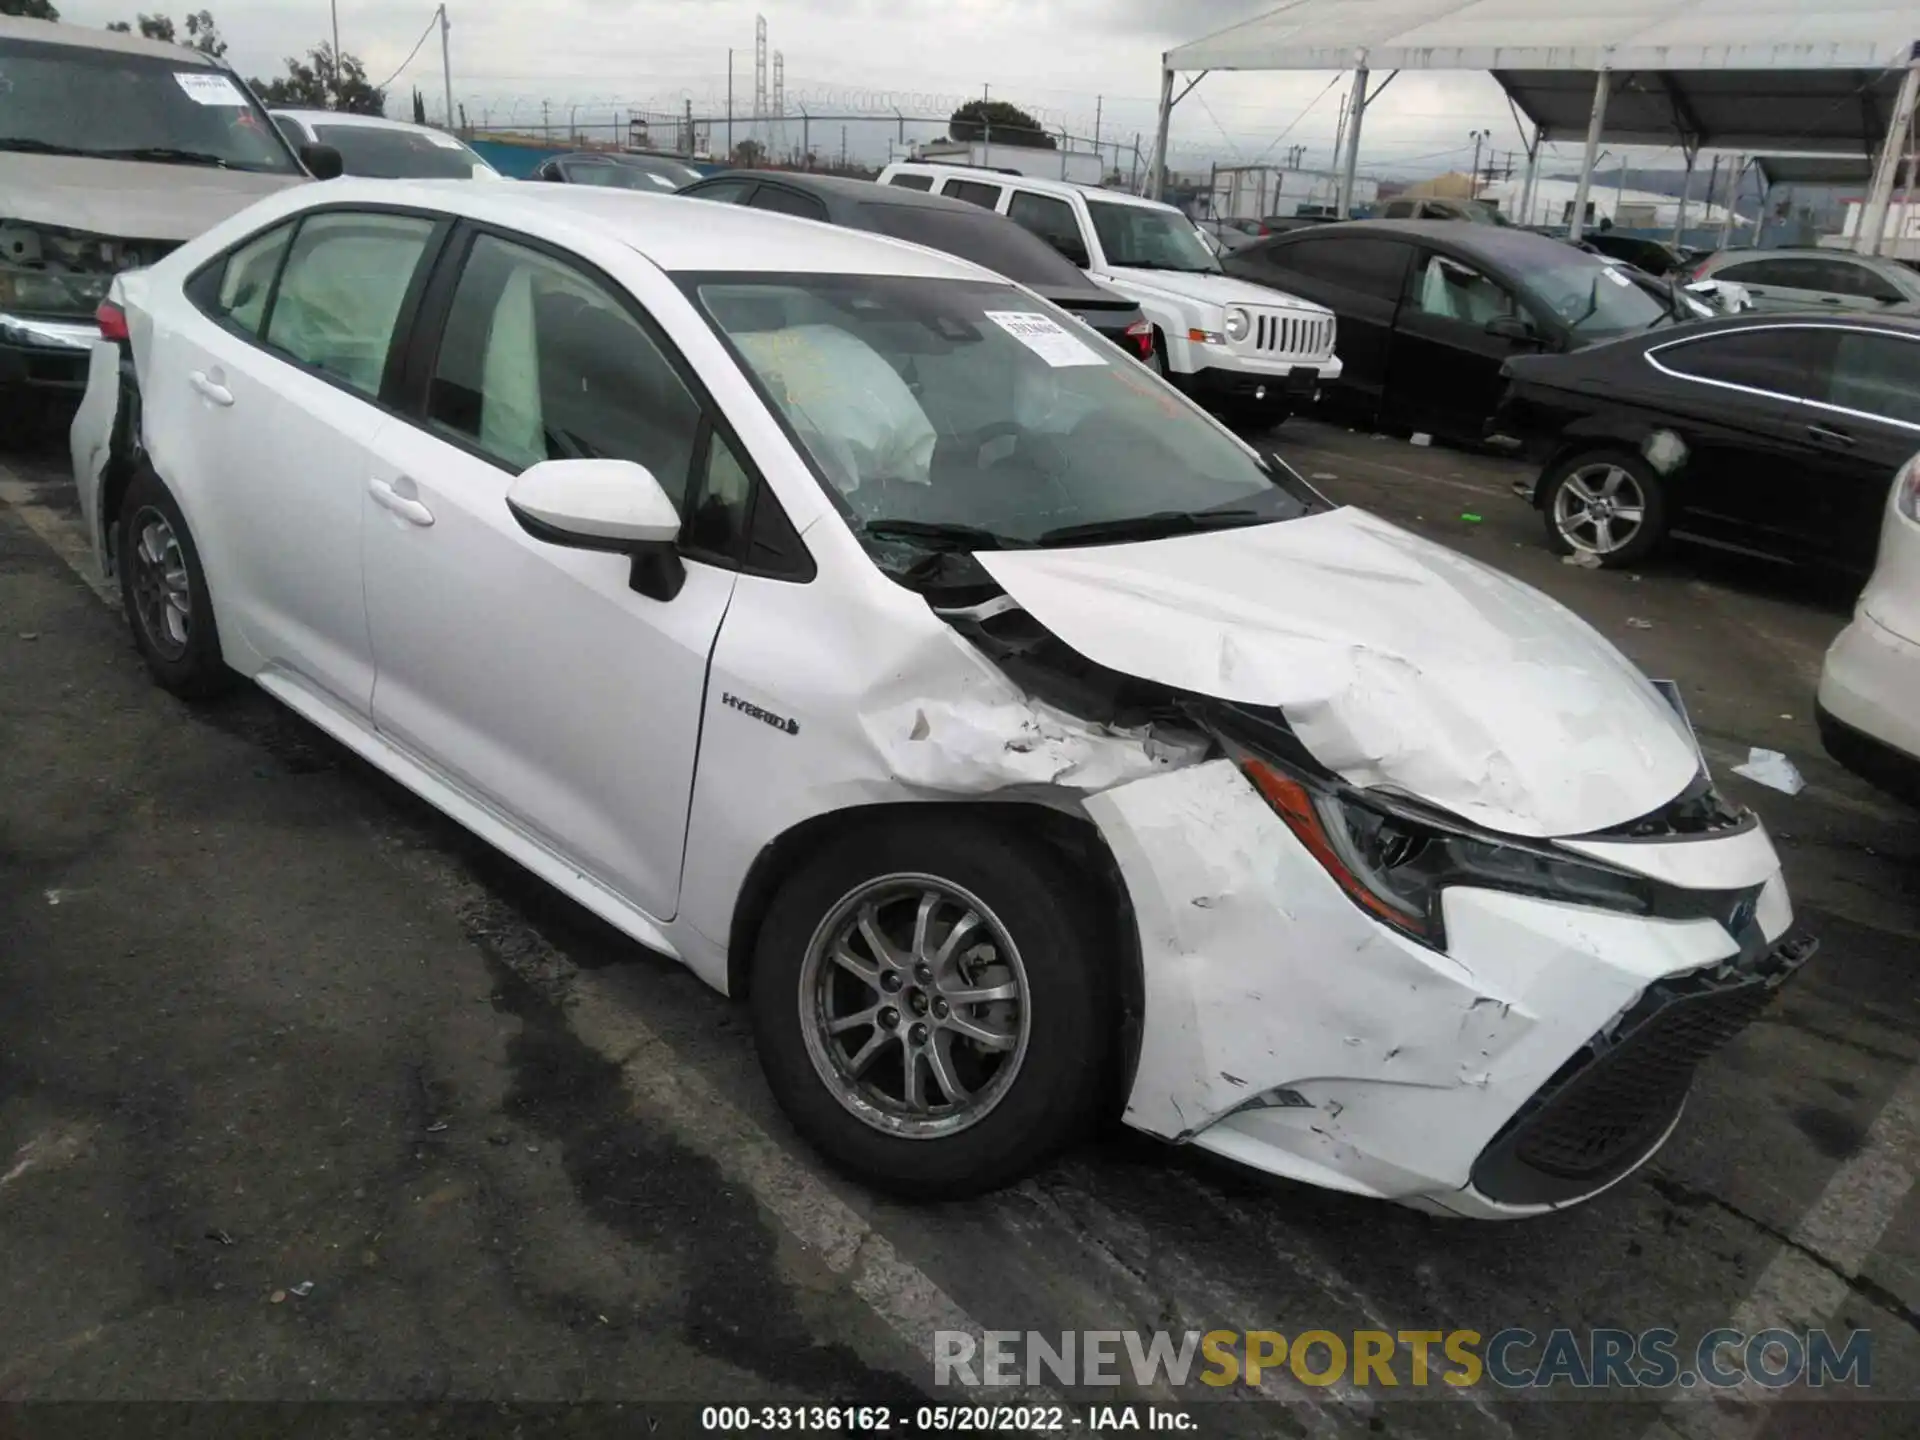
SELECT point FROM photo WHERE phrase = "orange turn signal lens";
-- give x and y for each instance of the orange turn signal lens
(1292, 803)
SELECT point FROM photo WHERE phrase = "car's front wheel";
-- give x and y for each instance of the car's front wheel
(164, 591)
(1604, 503)
(929, 1005)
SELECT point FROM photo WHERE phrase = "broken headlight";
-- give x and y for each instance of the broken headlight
(1394, 863)
(51, 292)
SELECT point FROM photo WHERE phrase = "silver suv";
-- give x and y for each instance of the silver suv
(1814, 279)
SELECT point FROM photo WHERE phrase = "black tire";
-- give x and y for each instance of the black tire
(1651, 531)
(1259, 416)
(189, 664)
(1052, 1093)
(1160, 362)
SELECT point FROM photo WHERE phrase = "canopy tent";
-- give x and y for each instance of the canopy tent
(1741, 75)
(1808, 170)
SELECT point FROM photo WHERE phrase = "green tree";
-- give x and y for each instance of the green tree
(749, 154)
(31, 9)
(317, 83)
(202, 34)
(1000, 123)
(419, 107)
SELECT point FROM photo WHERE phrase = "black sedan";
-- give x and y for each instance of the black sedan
(953, 226)
(1754, 432)
(1431, 309)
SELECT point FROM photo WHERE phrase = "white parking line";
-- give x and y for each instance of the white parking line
(1798, 1292)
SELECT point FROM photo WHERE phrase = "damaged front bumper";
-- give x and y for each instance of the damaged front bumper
(1538, 1059)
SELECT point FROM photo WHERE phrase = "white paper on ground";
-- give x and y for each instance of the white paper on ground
(1771, 769)
(209, 87)
(1045, 338)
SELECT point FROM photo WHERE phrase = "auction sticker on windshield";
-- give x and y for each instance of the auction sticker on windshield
(209, 88)
(1045, 338)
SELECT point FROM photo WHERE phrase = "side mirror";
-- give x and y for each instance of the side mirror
(609, 505)
(323, 162)
(1512, 327)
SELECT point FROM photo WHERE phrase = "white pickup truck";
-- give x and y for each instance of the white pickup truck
(1252, 353)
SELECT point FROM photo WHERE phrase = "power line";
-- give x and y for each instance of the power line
(1296, 119)
(410, 54)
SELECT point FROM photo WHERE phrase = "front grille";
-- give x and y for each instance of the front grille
(1607, 1106)
(1282, 334)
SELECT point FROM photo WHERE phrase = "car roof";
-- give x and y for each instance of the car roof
(1030, 182)
(81, 37)
(1902, 318)
(667, 229)
(864, 192)
(343, 117)
(1797, 252)
(1502, 244)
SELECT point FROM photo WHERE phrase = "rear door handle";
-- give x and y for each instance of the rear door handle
(412, 511)
(209, 387)
(1829, 437)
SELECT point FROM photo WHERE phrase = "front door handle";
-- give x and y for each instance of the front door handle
(412, 511)
(210, 387)
(1829, 437)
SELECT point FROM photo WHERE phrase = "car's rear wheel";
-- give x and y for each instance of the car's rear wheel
(928, 1006)
(1605, 503)
(164, 591)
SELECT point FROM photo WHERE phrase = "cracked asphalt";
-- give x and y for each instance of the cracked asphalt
(305, 1095)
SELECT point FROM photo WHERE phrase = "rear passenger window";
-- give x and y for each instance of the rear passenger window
(1371, 267)
(247, 279)
(787, 202)
(974, 193)
(1876, 375)
(539, 362)
(1052, 220)
(341, 292)
(1794, 361)
(912, 182)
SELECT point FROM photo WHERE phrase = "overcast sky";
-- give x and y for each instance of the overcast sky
(1053, 57)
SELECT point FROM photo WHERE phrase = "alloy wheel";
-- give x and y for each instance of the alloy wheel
(162, 593)
(1599, 508)
(914, 1006)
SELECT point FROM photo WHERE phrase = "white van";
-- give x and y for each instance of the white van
(1252, 353)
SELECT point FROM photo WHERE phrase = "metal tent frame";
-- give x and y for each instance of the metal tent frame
(1780, 75)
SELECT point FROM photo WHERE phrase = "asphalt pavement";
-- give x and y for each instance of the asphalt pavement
(305, 1095)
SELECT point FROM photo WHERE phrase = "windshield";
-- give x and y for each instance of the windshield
(1591, 298)
(109, 105)
(663, 178)
(959, 414)
(384, 154)
(1149, 239)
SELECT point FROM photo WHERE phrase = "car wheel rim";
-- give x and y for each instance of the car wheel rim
(162, 593)
(914, 1005)
(1599, 509)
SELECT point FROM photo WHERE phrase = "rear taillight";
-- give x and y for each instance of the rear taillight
(1140, 334)
(112, 321)
(1906, 489)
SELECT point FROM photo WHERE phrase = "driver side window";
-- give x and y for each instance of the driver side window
(1450, 290)
(540, 362)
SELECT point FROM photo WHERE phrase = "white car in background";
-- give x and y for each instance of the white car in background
(1250, 352)
(1869, 706)
(379, 148)
(828, 613)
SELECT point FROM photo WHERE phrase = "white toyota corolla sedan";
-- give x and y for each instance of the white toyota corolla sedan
(844, 621)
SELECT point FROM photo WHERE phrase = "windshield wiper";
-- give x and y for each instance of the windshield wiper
(164, 153)
(1151, 526)
(27, 145)
(939, 535)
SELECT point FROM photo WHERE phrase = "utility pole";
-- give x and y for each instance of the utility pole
(1473, 176)
(688, 123)
(333, 100)
(546, 125)
(446, 63)
(843, 147)
(729, 103)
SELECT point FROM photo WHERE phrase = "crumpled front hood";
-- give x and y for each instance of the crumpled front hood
(127, 199)
(1212, 289)
(1396, 661)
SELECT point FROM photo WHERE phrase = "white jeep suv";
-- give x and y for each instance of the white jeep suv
(1247, 351)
